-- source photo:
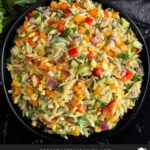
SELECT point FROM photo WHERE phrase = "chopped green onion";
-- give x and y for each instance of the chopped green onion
(68, 32)
(124, 56)
(50, 28)
(87, 32)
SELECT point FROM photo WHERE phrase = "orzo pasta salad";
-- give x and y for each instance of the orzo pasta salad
(75, 68)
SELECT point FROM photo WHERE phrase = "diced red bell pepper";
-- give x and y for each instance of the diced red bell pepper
(31, 42)
(73, 102)
(29, 15)
(70, 107)
(98, 110)
(28, 58)
(88, 20)
(127, 76)
(97, 71)
(73, 51)
(108, 108)
(67, 14)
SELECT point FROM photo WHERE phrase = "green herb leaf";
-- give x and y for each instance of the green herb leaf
(137, 77)
(102, 105)
(50, 28)
(68, 32)
(87, 32)
(123, 56)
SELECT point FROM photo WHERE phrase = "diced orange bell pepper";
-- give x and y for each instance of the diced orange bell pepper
(93, 12)
(43, 36)
(82, 108)
(43, 65)
(17, 43)
(78, 18)
(75, 132)
(61, 25)
(64, 6)
(25, 24)
(115, 15)
(67, 14)
(51, 21)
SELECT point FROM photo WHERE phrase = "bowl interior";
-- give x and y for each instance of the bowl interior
(6, 79)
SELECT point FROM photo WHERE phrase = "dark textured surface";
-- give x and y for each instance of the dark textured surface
(137, 132)
(137, 9)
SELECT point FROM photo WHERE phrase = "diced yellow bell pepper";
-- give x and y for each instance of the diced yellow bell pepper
(53, 4)
(75, 132)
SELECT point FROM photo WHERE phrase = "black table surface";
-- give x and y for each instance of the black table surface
(137, 132)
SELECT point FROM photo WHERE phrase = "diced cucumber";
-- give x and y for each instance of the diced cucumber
(38, 17)
(84, 70)
(24, 77)
(74, 64)
(137, 44)
(124, 23)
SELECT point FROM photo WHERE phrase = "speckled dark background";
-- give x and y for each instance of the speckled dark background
(137, 9)
(137, 132)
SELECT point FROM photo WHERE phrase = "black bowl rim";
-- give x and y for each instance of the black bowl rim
(74, 140)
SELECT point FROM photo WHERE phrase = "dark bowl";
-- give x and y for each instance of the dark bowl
(6, 81)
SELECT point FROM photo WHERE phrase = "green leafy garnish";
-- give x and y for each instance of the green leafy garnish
(102, 105)
(8, 12)
(123, 56)
(137, 77)
(128, 86)
(1, 17)
(50, 28)
(68, 32)
(134, 99)
(87, 32)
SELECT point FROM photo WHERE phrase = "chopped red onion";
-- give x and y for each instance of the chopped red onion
(95, 40)
(99, 58)
(104, 126)
(67, 72)
(123, 68)
(114, 37)
(100, 20)
(53, 83)
(112, 44)
(74, 37)
(138, 70)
